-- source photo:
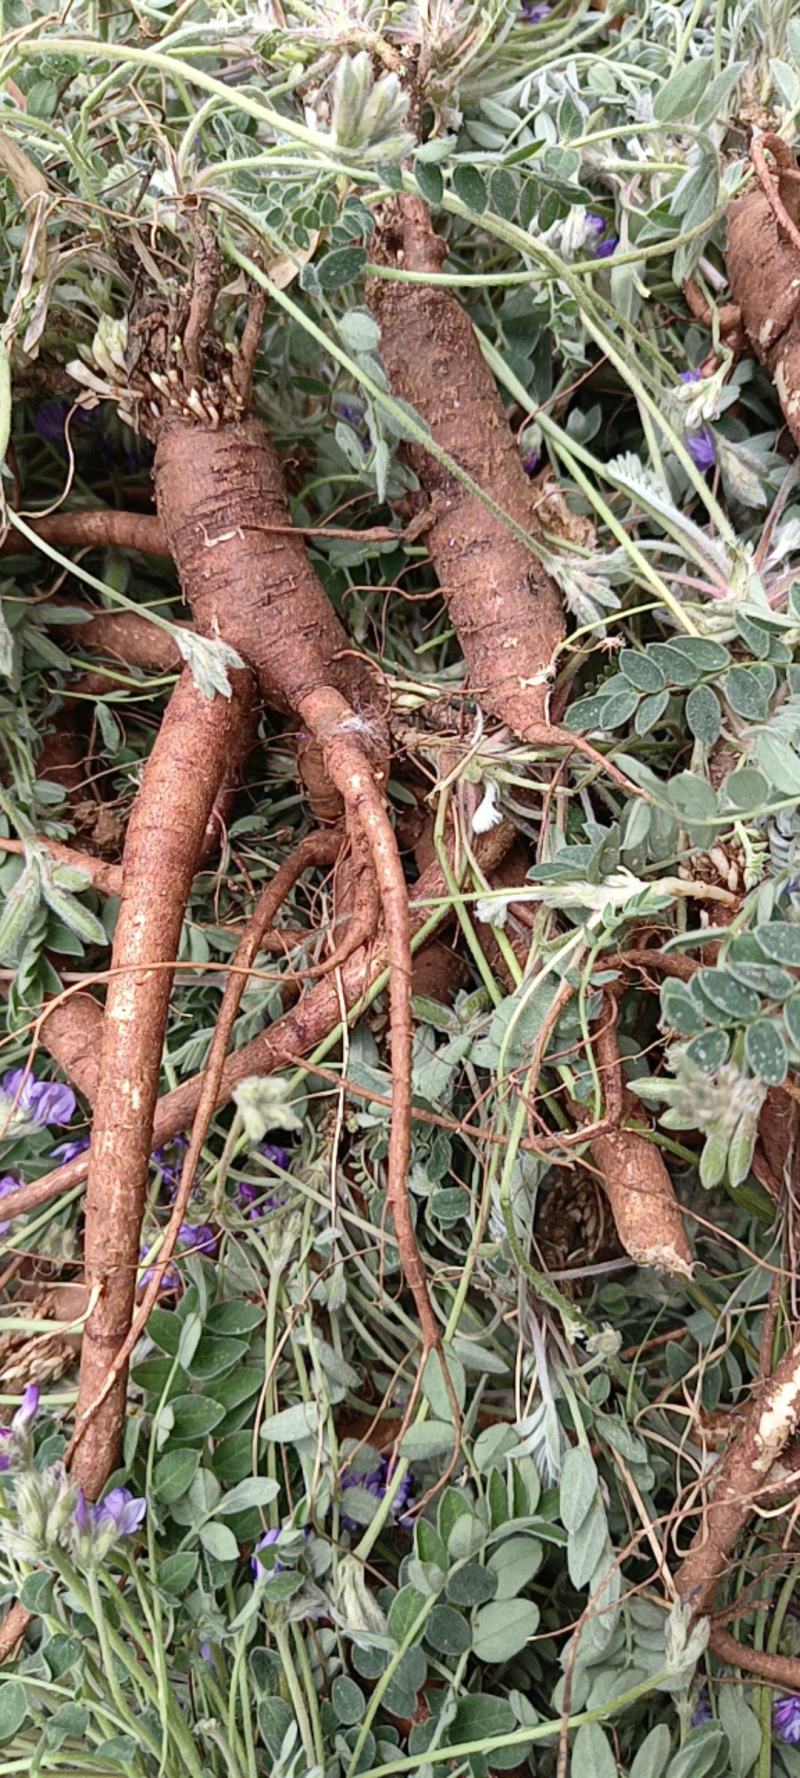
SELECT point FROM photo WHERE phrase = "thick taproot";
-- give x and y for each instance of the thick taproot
(505, 609)
(165, 834)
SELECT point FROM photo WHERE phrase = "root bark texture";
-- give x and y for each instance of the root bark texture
(739, 1481)
(506, 610)
(763, 263)
(165, 833)
(640, 1192)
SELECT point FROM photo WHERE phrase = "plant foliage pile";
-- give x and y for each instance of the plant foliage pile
(399, 888)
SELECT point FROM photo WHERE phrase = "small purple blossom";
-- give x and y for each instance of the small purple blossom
(199, 1236)
(122, 1509)
(206, 1652)
(259, 1570)
(702, 1710)
(40, 1101)
(786, 1719)
(170, 1278)
(272, 1152)
(700, 446)
(691, 376)
(534, 11)
(604, 249)
(97, 1528)
(532, 460)
(252, 1201)
(376, 1482)
(16, 1443)
(595, 224)
(69, 1151)
(8, 1184)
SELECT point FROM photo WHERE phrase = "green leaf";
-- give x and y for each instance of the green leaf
(653, 1754)
(704, 715)
(742, 1728)
(748, 691)
(766, 1051)
(501, 1629)
(643, 670)
(780, 942)
(731, 997)
(767, 978)
(745, 790)
(679, 96)
(340, 267)
(69, 1722)
(13, 1708)
(431, 1439)
(434, 1387)
(679, 1010)
(469, 187)
(219, 1541)
(253, 1491)
(650, 712)
(481, 1715)
(236, 1317)
(779, 763)
(194, 1417)
(429, 180)
(75, 916)
(504, 192)
(513, 1564)
(292, 1425)
(471, 1585)
(592, 1755)
(447, 1631)
(403, 1612)
(709, 1050)
(359, 331)
(347, 1699)
(19, 912)
(578, 1487)
(173, 1475)
(695, 802)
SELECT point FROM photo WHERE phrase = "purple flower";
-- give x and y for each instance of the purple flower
(40, 1101)
(700, 446)
(8, 1184)
(534, 11)
(278, 1156)
(376, 1483)
(69, 1151)
(170, 1279)
(259, 1570)
(199, 1236)
(206, 1651)
(121, 1509)
(595, 223)
(16, 1442)
(691, 376)
(702, 1709)
(252, 1201)
(97, 1528)
(604, 249)
(353, 416)
(786, 1719)
(531, 461)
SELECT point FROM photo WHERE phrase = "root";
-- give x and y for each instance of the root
(775, 1669)
(103, 529)
(646, 1212)
(165, 832)
(738, 1482)
(71, 1030)
(763, 264)
(316, 849)
(505, 609)
(293, 1036)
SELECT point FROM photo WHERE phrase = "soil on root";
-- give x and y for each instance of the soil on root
(763, 264)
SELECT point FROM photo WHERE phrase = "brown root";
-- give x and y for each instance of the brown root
(102, 529)
(646, 1212)
(505, 609)
(739, 1480)
(165, 833)
(105, 878)
(763, 263)
(71, 1029)
(316, 849)
(293, 1036)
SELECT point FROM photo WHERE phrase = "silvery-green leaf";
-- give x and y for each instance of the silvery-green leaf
(78, 918)
(18, 912)
(208, 661)
(7, 647)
